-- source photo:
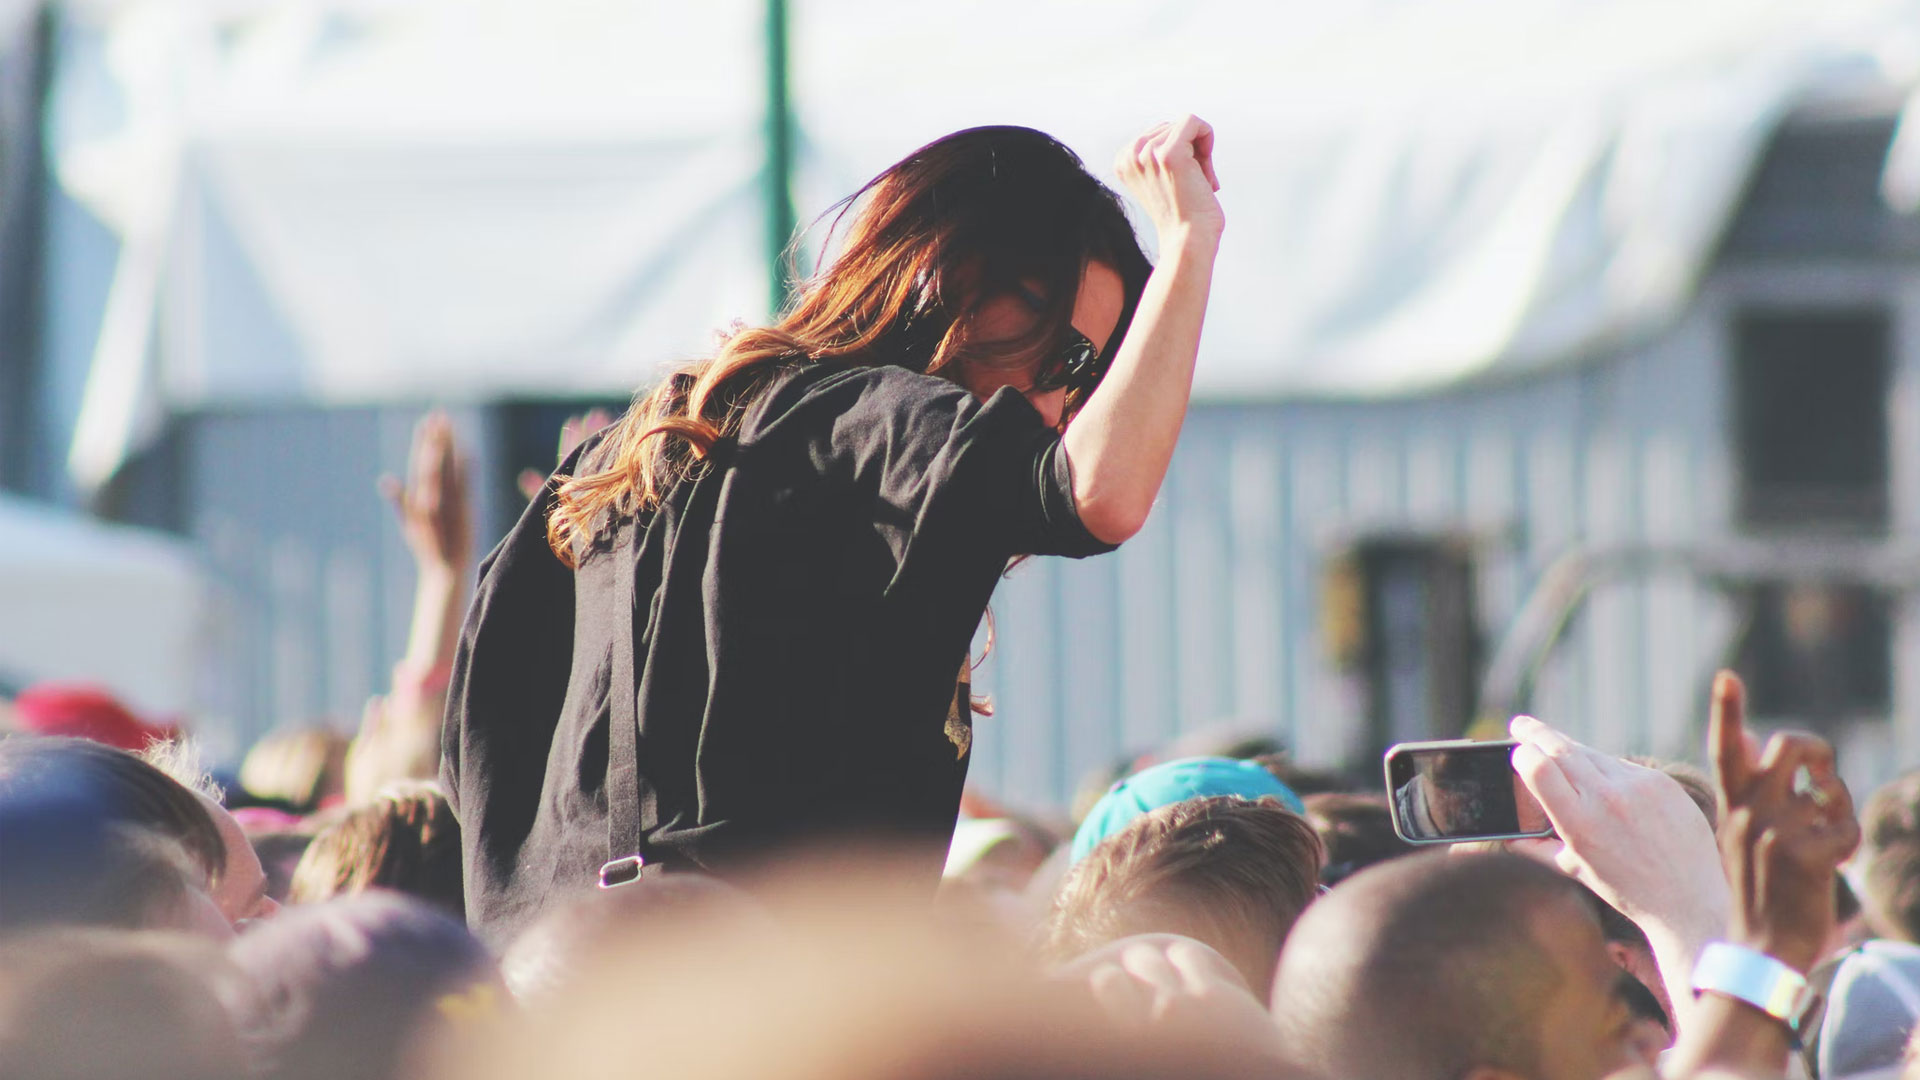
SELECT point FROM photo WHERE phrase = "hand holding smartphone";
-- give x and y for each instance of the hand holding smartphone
(1457, 790)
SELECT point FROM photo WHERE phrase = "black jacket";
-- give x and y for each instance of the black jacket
(801, 610)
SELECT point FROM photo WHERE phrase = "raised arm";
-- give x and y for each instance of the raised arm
(432, 508)
(399, 735)
(1781, 836)
(1122, 441)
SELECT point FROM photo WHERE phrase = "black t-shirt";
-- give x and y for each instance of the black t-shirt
(802, 609)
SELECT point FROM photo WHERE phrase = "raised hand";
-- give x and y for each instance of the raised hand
(1786, 822)
(572, 433)
(1170, 171)
(1122, 440)
(438, 528)
(1633, 836)
(1629, 833)
(432, 504)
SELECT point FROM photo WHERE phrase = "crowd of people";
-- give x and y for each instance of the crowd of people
(678, 789)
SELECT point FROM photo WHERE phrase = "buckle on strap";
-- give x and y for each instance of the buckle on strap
(621, 872)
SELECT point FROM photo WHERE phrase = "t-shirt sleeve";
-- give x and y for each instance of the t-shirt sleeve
(942, 465)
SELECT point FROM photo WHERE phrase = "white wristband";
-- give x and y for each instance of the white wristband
(1757, 979)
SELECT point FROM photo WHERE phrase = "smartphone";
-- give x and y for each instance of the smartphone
(1447, 792)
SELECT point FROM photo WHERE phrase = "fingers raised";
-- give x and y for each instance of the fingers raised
(428, 456)
(1727, 739)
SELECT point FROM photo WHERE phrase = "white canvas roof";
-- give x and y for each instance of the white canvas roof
(117, 607)
(470, 198)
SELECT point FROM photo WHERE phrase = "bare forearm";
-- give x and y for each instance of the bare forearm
(1728, 1036)
(1675, 949)
(1123, 439)
(438, 606)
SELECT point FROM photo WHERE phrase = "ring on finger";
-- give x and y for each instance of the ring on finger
(1805, 786)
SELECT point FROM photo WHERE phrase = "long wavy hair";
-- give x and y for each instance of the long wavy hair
(981, 213)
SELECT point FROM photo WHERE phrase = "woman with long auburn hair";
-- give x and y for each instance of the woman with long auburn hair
(738, 619)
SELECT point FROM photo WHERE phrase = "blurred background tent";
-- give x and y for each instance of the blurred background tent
(352, 202)
(110, 605)
(275, 229)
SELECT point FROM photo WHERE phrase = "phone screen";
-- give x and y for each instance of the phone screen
(1460, 791)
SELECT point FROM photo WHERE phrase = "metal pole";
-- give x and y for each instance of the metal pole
(27, 462)
(779, 167)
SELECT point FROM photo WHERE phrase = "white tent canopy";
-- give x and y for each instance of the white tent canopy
(1417, 192)
(116, 607)
(484, 197)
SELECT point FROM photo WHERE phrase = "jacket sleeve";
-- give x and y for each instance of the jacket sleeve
(944, 466)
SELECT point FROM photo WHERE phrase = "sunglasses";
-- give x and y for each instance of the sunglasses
(1077, 369)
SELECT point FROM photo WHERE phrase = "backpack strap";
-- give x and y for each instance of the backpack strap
(1820, 981)
(632, 812)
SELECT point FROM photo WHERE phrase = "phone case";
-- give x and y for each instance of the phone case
(1393, 803)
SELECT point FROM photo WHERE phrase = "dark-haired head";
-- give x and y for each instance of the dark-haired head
(983, 213)
(96, 836)
(920, 254)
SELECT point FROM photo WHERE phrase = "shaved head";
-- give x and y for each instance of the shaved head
(1429, 967)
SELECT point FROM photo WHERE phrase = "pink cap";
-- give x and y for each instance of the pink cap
(85, 712)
